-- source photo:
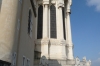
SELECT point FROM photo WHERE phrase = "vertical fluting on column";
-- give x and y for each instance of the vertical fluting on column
(45, 21)
(8, 19)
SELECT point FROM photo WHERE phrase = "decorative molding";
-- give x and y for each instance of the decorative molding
(70, 2)
(53, 2)
(69, 45)
(60, 3)
(51, 42)
(46, 2)
(68, 7)
(43, 61)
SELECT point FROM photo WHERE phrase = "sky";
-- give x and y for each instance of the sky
(85, 24)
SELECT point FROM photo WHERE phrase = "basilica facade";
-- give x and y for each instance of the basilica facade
(35, 33)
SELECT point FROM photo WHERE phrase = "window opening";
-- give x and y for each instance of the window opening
(40, 22)
(53, 21)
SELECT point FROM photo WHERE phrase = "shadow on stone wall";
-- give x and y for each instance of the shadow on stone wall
(0, 4)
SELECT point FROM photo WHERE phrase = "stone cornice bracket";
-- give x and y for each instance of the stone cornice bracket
(60, 3)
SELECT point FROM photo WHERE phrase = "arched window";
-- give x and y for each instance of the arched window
(63, 23)
(40, 22)
(53, 22)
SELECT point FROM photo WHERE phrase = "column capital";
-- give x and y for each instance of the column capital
(45, 2)
(70, 2)
(68, 7)
(60, 3)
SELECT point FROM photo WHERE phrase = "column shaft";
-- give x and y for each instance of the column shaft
(45, 21)
(68, 37)
(60, 25)
(68, 29)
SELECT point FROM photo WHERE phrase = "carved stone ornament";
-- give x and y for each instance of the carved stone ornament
(70, 2)
(43, 61)
(69, 5)
(60, 3)
(45, 2)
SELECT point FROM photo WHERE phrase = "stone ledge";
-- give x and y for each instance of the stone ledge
(70, 62)
(50, 41)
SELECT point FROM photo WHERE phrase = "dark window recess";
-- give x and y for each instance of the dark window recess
(53, 22)
(63, 23)
(0, 4)
(29, 21)
(40, 22)
(4, 63)
(37, 55)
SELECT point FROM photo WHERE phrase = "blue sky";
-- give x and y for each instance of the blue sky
(85, 24)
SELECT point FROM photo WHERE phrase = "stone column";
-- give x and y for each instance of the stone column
(45, 21)
(68, 28)
(68, 34)
(8, 22)
(44, 46)
(61, 23)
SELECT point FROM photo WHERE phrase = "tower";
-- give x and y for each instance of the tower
(53, 45)
(35, 33)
